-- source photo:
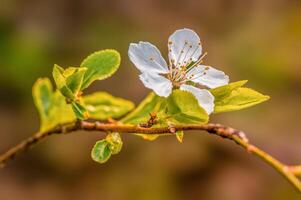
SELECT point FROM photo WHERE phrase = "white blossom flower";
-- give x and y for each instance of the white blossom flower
(184, 70)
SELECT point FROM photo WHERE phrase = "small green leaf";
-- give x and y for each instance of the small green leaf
(69, 81)
(101, 151)
(233, 97)
(60, 81)
(62, 112)
(180, 136)
(151, 104)
(180, 107)
(102, 106)
(100, 65)
(114, 142)
(149, 137)
(222, 92)
(80, 111)
(74, 81)
(238, 99)
(43, 97)
(183, 107)
(52, 106)
(42, 93)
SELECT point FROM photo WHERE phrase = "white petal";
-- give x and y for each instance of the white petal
(146, 57)
(184, 46)
(204, 97)
(207, 76)
(159, 84)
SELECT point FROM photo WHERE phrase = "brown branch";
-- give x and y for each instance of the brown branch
(289, 172)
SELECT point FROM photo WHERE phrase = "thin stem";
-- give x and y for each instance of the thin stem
(288, 172)
(280, 167)
(295, 169)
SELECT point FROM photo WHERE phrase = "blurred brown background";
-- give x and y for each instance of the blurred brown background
(255, 40)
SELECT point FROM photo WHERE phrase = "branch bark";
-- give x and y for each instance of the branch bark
(288, 172)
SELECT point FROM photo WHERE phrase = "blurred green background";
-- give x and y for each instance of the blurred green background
(255, 40)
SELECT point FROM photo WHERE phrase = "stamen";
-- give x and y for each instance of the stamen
(171, 61)
(181, 74)
(190, 46)
(199, 61)
(195, 50)
(181, 52)
(178, 68)
(202, 73)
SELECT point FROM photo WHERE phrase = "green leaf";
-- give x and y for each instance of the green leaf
(51, 105)
(152, 103)
(101, 151)
(80, 111)
(42, 96)
(183, 107)
(222, 92)
(233, 97)
(69, 81)
(100, 65)
(149, 137)
(180, 107)
(62, 112)
(239, 98)
(114, 141)
(74, 81)
(102, 106)
(180, 136)
(60, 81)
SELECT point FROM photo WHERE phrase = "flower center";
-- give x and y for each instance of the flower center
(180, 74)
